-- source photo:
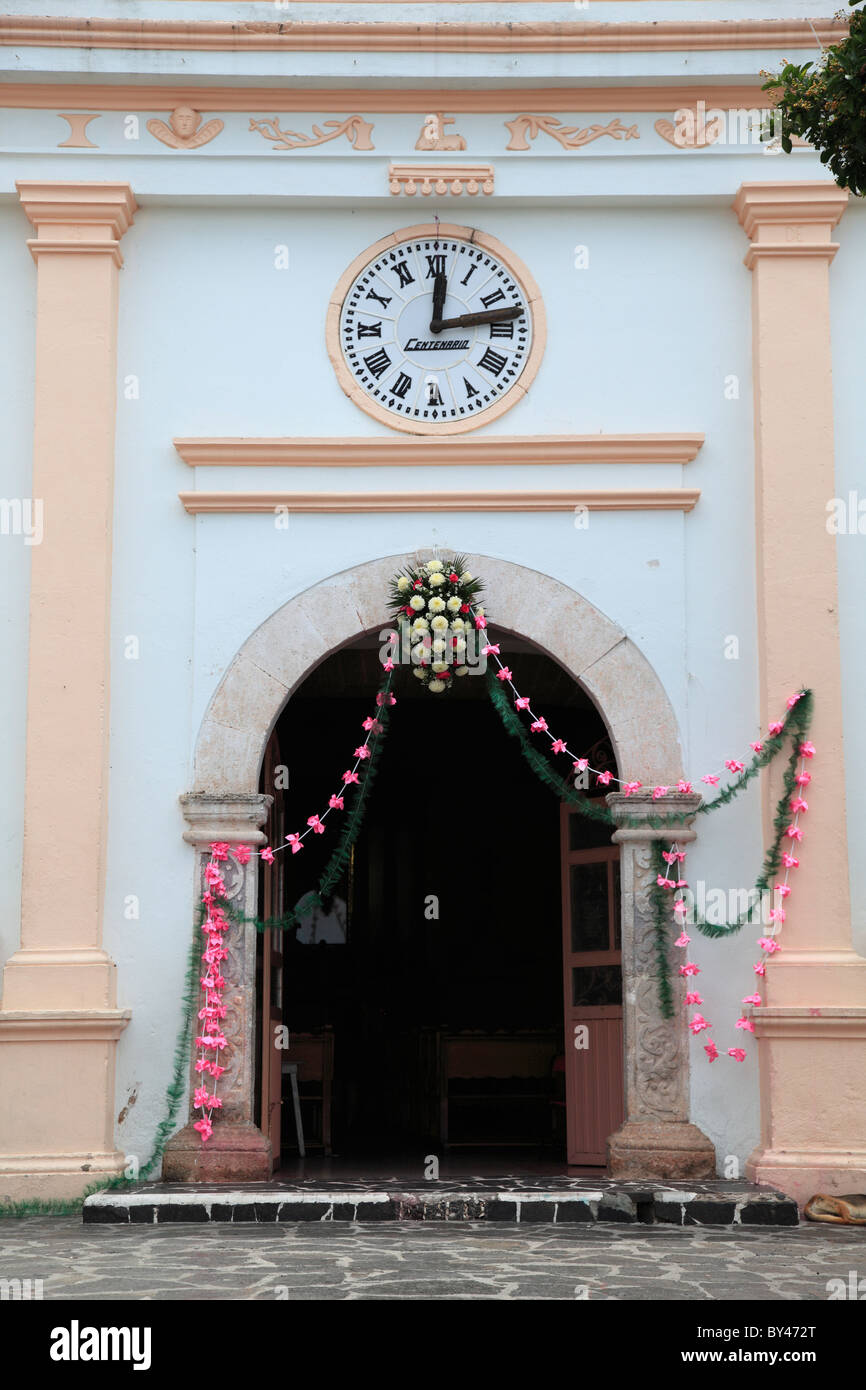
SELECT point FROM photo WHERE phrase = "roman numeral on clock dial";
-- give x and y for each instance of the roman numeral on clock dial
(492, 362)
(404, 274)
(488, 300)
(378, 362)
(370, 330)
(401, 386)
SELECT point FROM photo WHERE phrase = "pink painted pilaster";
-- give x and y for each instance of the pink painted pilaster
(812, 1032)
(59, 987)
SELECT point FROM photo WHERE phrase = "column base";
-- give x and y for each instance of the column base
(55, 1177)
(670, 1150)
(57, 1101)
(802, 1175)
(235, 1152)
(813, 1121)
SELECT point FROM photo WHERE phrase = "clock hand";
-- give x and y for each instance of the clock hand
(467, 320)
(440, 286)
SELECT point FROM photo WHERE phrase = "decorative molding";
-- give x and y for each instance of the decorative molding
(525, 128)
(695, 137)
(237, 818)
(434, 136)
(353, 37)
(185, 130)
(58, 1025)
(356, 130)
(790, 218)
(826, 1021)
(78, 138)
(42, 246)
(108, 205)
(531, 292)
(443, 500)
(700, 133)
(392, 451)
(825, 251)
(440, 178)
(61, 211)
(134, 96)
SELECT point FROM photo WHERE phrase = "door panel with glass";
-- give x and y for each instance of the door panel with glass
(592, 977)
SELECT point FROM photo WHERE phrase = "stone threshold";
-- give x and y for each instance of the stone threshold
(520, 1201)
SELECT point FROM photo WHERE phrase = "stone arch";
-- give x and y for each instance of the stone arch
(309, 627)
(656, 1139)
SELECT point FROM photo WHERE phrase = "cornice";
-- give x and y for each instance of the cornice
(139, 96)
(442, 500)
(389, 451)
(350, 36)
(103, 206)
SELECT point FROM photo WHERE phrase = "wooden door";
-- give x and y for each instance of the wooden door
(272, 960)
(592, 979)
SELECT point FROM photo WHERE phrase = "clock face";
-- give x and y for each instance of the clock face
(407, 359)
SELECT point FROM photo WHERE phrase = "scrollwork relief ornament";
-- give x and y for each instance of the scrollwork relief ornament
(356, 130)
(527, 127)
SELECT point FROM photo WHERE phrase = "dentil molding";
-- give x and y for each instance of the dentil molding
(440, 178)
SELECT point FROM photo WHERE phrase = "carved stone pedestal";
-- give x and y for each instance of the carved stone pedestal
(656, 1139)
(237, 1151)
(669, 1150)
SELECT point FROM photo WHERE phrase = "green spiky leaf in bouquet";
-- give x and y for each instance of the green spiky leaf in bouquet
(435, 605)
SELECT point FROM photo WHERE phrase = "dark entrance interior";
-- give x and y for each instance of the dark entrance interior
(431, 991)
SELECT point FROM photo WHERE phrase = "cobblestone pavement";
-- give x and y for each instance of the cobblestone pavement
(466, 1260)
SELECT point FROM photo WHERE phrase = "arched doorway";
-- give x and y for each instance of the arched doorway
(656, 1138)
(474, 930)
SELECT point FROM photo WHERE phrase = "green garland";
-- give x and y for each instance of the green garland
(795, 727)
(592, 809)
(661, 935)
(773, 857)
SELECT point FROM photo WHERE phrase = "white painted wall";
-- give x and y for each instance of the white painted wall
(222, 343)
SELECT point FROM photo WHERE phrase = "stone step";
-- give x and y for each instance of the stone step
(562, 1201)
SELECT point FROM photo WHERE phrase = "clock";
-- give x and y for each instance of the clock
(436, 330)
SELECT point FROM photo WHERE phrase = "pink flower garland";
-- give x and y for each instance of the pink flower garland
(211, 1041)
(767, 944)
(675, 856)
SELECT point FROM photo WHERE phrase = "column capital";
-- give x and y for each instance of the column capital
(790, 218)
(643, 807)
(236, 818)
(77, 217)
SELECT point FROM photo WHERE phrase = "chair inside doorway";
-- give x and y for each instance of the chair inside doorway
(425, 1002)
